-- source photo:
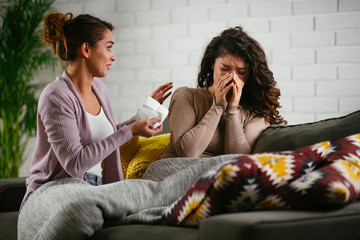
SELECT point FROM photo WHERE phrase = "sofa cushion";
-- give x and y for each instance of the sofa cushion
(282, 138)
(8, 225)
(128, 151)
(138, 153)
(284, 224)
(145, 232)
(240, 184)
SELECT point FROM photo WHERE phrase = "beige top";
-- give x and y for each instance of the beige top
(202, 128)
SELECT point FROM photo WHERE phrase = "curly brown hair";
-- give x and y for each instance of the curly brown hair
(259, 96)
(69, 33)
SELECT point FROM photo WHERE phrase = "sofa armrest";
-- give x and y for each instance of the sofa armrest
(12, 191)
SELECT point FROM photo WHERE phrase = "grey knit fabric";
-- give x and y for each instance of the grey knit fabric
(70, 208)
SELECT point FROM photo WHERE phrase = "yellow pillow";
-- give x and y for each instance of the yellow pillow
(150, 150)
(127, 152)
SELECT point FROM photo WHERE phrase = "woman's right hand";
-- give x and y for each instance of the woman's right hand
(222, 86)
(144, 127)
(162, 92)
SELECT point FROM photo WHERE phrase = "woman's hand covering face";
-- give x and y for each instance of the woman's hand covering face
(230, 75)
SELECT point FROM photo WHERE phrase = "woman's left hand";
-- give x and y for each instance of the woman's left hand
(161, 93)
(237, 91)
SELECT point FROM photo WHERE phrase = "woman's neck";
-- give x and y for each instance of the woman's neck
(82, 80)
(211, 90)
(80, 77)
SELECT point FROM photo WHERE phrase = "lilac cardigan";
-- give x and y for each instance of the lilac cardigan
(63, 143)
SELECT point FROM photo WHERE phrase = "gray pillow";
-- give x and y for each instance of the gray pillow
(291, 137)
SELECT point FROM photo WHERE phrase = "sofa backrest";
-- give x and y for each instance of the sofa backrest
(291, 137)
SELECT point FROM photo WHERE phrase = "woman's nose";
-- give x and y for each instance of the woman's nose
(233, 74)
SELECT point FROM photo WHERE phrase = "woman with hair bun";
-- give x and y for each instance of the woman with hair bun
(235, 101)
(76, 133)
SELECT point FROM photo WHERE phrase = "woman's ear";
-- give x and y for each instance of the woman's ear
(85, 49)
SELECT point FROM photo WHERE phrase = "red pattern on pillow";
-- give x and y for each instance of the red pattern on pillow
(240, 184)
(321, 176)
(333, 184)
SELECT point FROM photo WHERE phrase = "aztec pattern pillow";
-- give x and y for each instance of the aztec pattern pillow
(274, 180)
(333, 184)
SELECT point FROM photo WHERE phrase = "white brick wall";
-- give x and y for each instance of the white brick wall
(315, 72)
(338, 21)
(313, 47)
(293, 24)
(310, 7)
(348, 37)
(349, 71)
(269, 8)
(313, 39)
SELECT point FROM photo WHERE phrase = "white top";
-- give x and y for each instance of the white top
(100, 128)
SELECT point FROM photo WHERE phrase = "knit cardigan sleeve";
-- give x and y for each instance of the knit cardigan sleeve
(69, 138)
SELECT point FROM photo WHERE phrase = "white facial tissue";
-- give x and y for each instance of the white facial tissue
(151, 109)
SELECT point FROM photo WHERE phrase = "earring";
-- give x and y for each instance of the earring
(204, 79)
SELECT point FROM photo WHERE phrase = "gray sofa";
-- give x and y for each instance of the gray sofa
(260, 225)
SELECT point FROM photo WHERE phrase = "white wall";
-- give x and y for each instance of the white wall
(313, 47)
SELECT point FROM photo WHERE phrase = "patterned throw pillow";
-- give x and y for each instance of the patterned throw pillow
(321, 177)
(127, 152)
(150, 150)
(333, 184)
(139, 152)
(240, 184)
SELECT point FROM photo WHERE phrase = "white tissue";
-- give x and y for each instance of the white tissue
(152, 109)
